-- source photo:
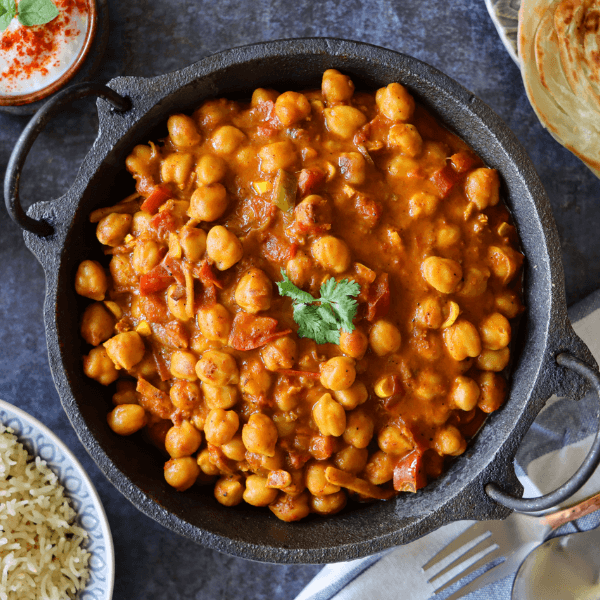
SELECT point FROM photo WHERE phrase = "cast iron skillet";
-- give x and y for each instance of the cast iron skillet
(481, 484)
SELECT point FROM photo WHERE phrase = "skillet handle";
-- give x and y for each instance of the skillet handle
(584, 472)
(29, 135)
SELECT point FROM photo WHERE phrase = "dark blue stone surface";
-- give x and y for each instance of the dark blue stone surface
(150, 37)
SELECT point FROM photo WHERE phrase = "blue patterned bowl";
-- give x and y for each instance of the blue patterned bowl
(38, 440)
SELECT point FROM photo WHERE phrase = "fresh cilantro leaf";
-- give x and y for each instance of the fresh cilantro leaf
(321, 319)
(7, 12)
(37, 12)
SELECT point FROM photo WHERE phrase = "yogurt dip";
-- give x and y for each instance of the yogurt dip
(32, 58)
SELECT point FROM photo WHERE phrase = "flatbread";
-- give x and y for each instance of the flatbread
(564, 95)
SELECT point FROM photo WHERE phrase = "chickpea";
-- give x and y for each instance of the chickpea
(97, 365)
(223, 396)
(404, 167)
(505, 262)
(330, 504)
(353, 396)
(336, 87)
(208, 202)
(181, 473)
(279, 354)
(338, 373)
(329, 416)
(380, 468)
(121, 271)
(351, 459)
(183, 365)
(353, 167)
(287, 396)
(183, 131)
(291, 508)
(193, 243)
(493, 360)
(203, 461)
(475, 282)
(354, 344)
(112, 229)
(406, 138)
(214, 322)
(392, 441)
(448, 236)
(146, 255)
(464, 393)
(331, 253)
(508, 304)
(493, 391)
(125, 349)
(227, 139)
(126, 419)
(384, 338)
(125, 393)
(97, 324)
(223, 247)
(176, 301)
(359, 429)
(255, 380)
(495, 332)
(278, 155)
(217, 368)
(443, 274)
(185, 395)
(448, 440)
(316, 481)
(221, 425)
(229, 490)
(299, 269)
(260, 434)
(260, 95)
(422, 204)
(482, 187)
(182, 440)
(90, 280)
(210, 169)
(257, 493)
(235, 449)
(429, 313)
(139, 162)
(176, 168)
(292, 107)
(344, 120)
(140, 222)
(254, 291)
(462, 340)
(395, 102)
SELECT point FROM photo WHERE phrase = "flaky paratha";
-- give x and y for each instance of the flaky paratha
(572, 117)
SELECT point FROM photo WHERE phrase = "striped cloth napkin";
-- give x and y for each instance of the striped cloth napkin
(550, 453)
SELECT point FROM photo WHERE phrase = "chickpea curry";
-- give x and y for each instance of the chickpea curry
(307, 299)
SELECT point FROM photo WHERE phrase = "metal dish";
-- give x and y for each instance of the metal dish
(38, 440)
(135, 110)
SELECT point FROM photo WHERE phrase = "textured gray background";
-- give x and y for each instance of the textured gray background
(150, 37)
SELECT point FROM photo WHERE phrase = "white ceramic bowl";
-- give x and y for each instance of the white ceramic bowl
(38, 440)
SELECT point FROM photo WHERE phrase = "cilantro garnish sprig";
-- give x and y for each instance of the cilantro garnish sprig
(29, 12)
(322, 319)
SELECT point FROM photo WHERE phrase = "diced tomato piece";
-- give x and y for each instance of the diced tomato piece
(205, 273)
(378, 302)
(154, 400)
(445, 179)
(159, 195)
(298, 459)
(155, 281)
(164, 222)
(310, 180)
(368, 209)
(409, 473)
(322, 446)
(249, 332)
(209, 295)
(278, 250)
(294, 373)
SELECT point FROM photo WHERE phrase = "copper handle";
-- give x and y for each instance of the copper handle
(555, 520)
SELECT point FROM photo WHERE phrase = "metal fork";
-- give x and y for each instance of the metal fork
(486, 541)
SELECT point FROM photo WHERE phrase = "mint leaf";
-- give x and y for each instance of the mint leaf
(37, 12)
(7, 12)
(321, 319)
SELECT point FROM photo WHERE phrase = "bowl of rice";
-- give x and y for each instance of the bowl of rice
(55, 541)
